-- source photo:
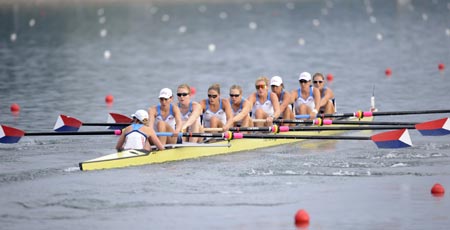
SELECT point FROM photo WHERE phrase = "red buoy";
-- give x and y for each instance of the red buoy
(441, 66)
(388, 72)
(301, 218)
(330, 77)
(193, 91)
(437, 190)
(109, 99)
(15, 108)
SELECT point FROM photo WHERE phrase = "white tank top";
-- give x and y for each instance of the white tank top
(208, 114)
(309, 101)
(135, 139)
(266, 106)
(170, 119)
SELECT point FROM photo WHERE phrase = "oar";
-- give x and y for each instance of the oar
(66, 123)
(391, 139)
(361, 114)
(9, 135)
(438, 127)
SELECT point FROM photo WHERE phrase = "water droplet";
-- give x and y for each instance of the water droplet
(253, 25)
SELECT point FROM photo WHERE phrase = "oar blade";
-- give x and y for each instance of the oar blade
(117, 118)
(10, 135)
(392, 139)
(66, 123)
(438, 127)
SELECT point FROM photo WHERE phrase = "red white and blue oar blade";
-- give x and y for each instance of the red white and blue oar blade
(117, 118)
(392, 139)
(438, 127)
(10, 135)
(67, 123)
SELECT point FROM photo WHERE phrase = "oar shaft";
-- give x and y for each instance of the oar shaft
(106, 124)
(410, 112)
(71, 133)
(280, 136)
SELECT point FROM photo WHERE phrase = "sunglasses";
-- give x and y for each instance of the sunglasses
(315, 82)
(212, 96)
(182, 94)
(303, 81)
(234, 95)
(163, 99)
(260, 86)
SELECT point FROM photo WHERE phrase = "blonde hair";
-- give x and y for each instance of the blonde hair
(262, 78)
(236, 87)
(318, 74)
(215, 87)
(186, 86)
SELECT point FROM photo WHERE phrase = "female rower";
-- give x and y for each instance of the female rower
(327, 101)
(216, 110)
(307, 98)
(284, 97)
(138, 135)
(240, 107)
(190, 112)
(166, 117)
(265, 104)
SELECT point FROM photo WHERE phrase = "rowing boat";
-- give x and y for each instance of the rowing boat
(135, 158)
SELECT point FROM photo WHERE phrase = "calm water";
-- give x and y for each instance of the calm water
(65, 58)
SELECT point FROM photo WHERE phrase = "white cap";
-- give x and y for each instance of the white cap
(276, 80)
(165, 93)
(140, 115)
(305, 76)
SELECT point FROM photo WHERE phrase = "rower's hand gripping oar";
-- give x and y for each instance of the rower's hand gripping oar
(66, 123)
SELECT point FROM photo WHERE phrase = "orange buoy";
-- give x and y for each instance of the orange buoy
(437, 190)
(301, 218)
(109, 99)
(15, 108)
(330, 77)
(441, 66)
(388, 72)
(193, 91)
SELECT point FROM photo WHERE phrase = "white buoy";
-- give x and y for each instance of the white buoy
(13, 37)
(301, 41)
(182, 29)
(379, 36)
(107, 54)
(103, 33)
(211, 48)
(253, 25)
(32, 22)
